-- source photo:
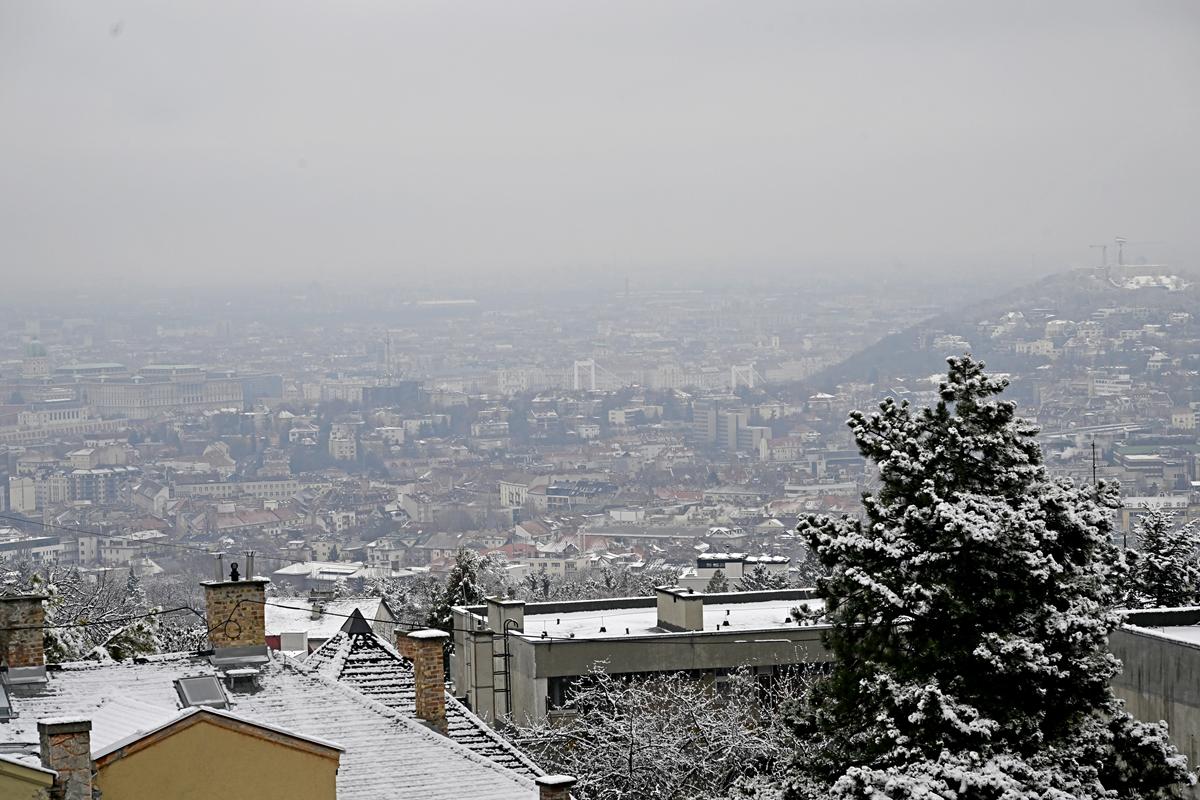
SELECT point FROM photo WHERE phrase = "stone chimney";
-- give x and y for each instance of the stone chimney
(235, 610)
(429, 674)
(67, 749)
(22, 636)
(680, 609)
(554, 787)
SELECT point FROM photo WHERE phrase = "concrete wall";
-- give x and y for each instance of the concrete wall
(535, 661)
(680, 610)
(1160, 679)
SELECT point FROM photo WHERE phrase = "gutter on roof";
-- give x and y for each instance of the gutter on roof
(224, 719)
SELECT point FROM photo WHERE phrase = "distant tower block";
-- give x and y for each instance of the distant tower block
(741, 376)
(36, 363)
(588, 368)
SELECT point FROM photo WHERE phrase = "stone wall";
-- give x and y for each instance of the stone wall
(236, 612)
(66, 748)
(22, 648)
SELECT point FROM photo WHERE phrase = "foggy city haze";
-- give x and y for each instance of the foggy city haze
(193, 143)
(580, 400)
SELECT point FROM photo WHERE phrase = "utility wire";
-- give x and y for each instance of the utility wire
(407, 625)
(206, 551)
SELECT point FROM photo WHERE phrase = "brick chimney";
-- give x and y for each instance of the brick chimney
(404, 645)
(680, 609)
(22, 650)
(235, 611)
(554, 787)
(67, 749)
(429, 673)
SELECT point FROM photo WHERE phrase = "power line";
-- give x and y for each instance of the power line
(415, 626)
(93, 623)
(98, 534)
(53, 526)
(407, 625)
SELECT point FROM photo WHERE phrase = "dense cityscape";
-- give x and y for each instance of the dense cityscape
(599, 401)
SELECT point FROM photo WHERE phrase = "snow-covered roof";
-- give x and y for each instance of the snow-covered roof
(28, 762)
(388, 754)
(763, 615)
(156, 719)
(297, 617)
(370, 665)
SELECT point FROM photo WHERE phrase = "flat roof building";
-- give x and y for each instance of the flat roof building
(521, 659)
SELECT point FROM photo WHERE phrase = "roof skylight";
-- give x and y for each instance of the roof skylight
(202, 690)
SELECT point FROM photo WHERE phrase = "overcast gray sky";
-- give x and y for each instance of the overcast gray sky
(201, 142)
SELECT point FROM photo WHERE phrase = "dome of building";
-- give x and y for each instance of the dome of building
(35, 349)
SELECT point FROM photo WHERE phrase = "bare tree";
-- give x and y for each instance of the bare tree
(666, 736)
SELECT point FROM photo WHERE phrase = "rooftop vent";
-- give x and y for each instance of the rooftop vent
(201, 690)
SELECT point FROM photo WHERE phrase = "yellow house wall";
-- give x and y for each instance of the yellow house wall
(19, 788)
(205, 761)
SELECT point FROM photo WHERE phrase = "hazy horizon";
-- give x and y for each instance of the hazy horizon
(196, 144)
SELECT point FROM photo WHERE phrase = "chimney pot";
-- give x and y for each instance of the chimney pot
(679, 610)
(554, 787)
(66, 748)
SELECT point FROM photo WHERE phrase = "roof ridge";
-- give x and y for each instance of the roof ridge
(412, 724)
(492, 734)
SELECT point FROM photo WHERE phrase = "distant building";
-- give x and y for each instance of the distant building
(544, 648)
(732, 565)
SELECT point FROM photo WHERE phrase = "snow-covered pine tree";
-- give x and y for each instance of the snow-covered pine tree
(717, 583)
(1166, 572)
(760, 579)
(462, 589)
(972, 609)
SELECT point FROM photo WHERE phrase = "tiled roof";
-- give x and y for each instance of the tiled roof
(371, 666)
(388, 754)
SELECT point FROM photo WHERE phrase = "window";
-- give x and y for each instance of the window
(202, 690)
(6, 708)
